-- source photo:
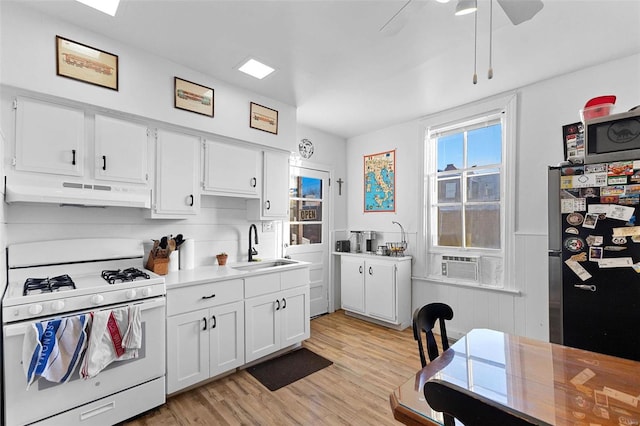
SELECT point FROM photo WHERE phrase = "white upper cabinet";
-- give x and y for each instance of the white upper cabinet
(231, 170)
(120, 150)
(49, 138)
(274, 203)
(176, 186)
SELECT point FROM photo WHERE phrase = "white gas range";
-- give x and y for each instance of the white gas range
(57, 279)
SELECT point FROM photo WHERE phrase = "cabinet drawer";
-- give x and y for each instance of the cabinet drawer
(295, 278)
(261, 284)
(200, 296)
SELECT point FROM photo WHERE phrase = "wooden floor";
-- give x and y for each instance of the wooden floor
(369, 361)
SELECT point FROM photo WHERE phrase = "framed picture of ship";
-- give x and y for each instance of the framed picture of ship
(193, 97)
(263, 118)
(85, 63)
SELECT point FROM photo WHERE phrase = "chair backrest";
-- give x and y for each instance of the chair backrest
(424, 319)
(472, 409)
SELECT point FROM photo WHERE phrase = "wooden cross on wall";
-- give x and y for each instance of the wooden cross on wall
(340, 182)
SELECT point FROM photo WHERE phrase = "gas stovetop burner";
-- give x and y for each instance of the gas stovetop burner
(129, 274)
(47, 285)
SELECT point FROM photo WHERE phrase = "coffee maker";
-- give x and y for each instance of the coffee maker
(364, 242)
(369, 242)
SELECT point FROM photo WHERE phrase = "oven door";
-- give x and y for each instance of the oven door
(45, 399)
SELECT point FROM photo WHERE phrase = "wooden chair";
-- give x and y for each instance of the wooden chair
(472, 409)
(424, 319)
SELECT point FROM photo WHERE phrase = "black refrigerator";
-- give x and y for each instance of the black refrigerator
(594, 257)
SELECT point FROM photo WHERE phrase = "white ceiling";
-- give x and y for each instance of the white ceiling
(345, 76)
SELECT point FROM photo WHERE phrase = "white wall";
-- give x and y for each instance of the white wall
(543, 108)
(27, 46)
(27, 65)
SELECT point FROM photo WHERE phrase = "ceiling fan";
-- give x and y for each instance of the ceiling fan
(518, 11)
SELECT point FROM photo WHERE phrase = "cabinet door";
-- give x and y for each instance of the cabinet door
(294, 312)
(226, 338)
(262, 326)
(121, 150)
(275, 200)
(187, 349)
(231, 170)
(380, 290)
(176, 174)
(49, 138)
(352, 284)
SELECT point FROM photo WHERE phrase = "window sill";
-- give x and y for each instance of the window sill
(460, 284)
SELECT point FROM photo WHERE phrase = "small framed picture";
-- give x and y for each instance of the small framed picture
(85, 63)
(193, 97)
(263, 118)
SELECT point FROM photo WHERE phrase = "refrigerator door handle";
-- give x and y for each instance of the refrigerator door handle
(585, 287)
(555, 253)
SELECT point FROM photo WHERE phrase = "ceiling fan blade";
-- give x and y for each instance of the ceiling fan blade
(520, 11)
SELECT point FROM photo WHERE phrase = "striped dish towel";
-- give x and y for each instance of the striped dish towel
(52, 349)
(115, 335)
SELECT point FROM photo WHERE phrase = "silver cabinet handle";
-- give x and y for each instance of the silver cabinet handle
(585, 287)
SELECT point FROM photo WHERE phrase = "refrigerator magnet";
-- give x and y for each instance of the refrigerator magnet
(595, 254)
(595, 240)
(590, 220)
(575, 219)
(574, 244)
(572, 230)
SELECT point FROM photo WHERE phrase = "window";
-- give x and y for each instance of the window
(466, 203)
(305, 210)
(468, 200)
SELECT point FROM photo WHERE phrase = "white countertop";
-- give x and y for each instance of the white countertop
(373, 256)
(208, 274)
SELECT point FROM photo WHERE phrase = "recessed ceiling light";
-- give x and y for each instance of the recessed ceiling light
(106, 6)
(256, 69)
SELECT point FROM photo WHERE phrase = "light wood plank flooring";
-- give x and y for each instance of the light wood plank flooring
(369, 361)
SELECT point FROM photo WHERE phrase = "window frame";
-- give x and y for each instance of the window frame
(504, 106)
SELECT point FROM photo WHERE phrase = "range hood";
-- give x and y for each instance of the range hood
(59, 190)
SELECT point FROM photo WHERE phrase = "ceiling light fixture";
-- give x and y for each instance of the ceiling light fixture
(442, 1)
(256, 69)
(464, 7)
(109, 7)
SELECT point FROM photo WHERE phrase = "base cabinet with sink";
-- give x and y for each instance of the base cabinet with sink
(377, 288)
(276, 312)
(216, 327)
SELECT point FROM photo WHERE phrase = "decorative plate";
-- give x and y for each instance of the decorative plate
(575, 218)
(305, 147)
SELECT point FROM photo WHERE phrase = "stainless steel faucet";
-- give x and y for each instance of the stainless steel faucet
(252, 250)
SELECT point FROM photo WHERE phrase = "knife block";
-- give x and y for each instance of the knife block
(159, 265)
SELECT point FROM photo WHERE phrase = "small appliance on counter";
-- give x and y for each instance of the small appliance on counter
(363, 242)
(343, 246)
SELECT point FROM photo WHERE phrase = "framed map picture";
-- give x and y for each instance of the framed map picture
(193, 97)
(85, 63)
(263, 118)
(380, 182)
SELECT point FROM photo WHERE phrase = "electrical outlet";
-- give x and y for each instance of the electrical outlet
(267, 226)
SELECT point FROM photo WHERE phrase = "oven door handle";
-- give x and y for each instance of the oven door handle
(21, 327)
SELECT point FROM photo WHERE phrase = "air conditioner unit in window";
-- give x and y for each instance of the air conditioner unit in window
(461, 268)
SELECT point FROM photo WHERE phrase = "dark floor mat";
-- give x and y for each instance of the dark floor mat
(286, 369)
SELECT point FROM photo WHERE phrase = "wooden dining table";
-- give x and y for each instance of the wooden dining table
(554, 383)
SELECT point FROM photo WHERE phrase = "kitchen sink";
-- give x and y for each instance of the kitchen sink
(265, 265)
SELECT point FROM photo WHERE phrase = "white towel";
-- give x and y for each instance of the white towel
(52, 349)
(115, 335)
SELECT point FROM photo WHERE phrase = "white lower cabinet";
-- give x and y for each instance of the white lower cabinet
(213, 328)
(206, 342)
(275, 321)
(276, 312)
(377, 287)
